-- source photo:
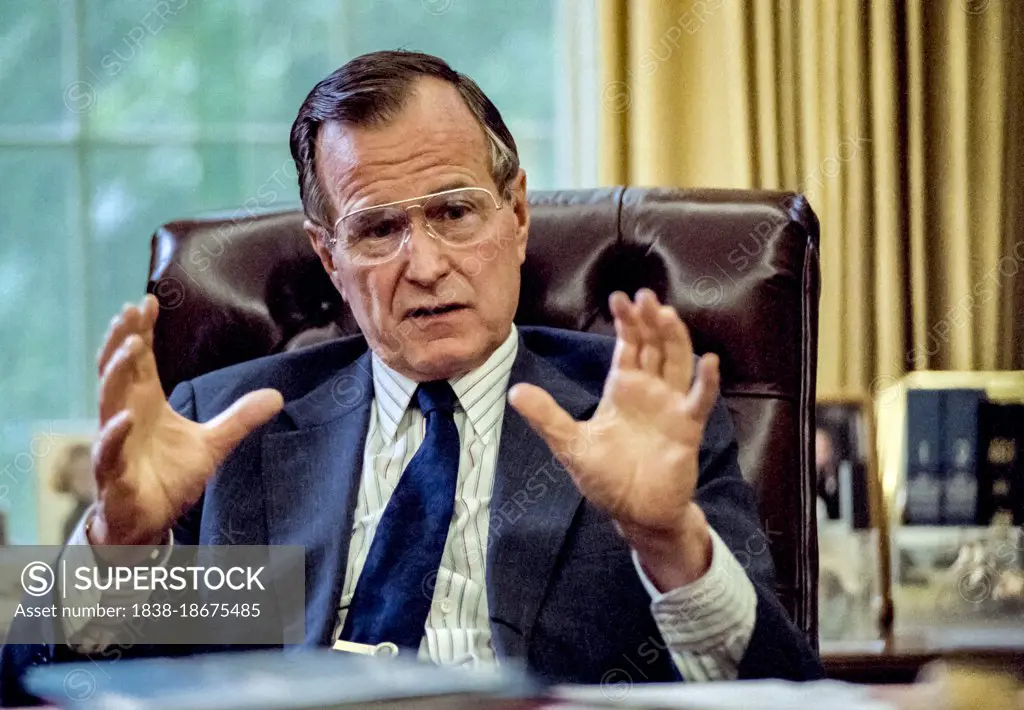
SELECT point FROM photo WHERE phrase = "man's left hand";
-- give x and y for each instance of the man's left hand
(637, 457)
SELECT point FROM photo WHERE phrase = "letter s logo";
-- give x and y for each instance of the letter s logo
(37, 579)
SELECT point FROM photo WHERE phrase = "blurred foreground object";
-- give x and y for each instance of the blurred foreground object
(274, 680)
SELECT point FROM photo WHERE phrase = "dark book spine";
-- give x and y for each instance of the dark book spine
(924, 472)
(1001, 488)
(959, 441)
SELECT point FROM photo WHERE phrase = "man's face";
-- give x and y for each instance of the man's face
(434, 144)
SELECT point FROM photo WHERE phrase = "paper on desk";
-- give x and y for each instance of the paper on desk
(736, 695)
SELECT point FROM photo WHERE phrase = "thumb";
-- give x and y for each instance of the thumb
(545, 416)
(228, 428)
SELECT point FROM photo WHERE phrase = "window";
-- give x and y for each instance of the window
(119, 115)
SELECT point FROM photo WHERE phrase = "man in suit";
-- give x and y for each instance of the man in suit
(567, 500)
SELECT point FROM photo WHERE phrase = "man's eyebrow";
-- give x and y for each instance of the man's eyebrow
(454, 184)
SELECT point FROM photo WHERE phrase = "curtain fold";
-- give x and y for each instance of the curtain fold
(900, 120)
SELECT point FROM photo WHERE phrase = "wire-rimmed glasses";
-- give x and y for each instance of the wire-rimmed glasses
(458, 218)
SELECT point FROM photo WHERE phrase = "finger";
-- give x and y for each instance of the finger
(627, 339)
(150, 311)
(704, 393)
(626, 355)
(118, 377)
(107, 462)
(129, 321)
(677, 369)
(227, 429)
(652, 354)
(622, 310)
(112, 340)
(540, 410)
(145, 362)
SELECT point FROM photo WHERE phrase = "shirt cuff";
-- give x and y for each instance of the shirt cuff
(94, 634)
(706, 624)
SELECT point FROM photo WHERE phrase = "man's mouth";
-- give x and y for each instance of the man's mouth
(432, 311)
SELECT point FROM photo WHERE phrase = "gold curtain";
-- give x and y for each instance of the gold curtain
(902, 121)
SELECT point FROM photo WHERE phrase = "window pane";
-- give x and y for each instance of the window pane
(134, 191)
(284, 52)
(269, 180)
(18, 469)
(536, 158)
(161, 65)
(30, 62)
(481, 40)
(37, 304)
(211, 65)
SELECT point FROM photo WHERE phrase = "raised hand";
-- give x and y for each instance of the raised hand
(150, 462)
(637, 457)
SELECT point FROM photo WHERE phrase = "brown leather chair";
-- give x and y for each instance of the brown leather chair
(741, 267)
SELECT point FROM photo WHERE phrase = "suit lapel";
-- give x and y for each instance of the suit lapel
(312, 478)
(532, 506)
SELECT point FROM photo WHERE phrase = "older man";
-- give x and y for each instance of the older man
(585, 529)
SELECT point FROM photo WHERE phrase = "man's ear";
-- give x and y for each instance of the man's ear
(318, 237)
(521, 211)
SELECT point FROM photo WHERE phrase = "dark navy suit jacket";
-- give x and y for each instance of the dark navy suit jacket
(563, 593)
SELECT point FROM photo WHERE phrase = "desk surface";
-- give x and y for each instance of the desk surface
(871, 662)
(897, 697)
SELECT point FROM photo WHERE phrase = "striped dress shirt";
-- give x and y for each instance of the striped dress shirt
(707, 624)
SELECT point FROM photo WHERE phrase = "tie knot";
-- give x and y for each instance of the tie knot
(438, 394)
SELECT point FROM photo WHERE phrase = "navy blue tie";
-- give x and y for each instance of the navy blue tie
(394, 591)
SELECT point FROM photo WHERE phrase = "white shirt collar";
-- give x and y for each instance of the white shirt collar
(478, 390)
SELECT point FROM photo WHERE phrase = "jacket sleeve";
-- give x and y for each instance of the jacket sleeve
(777, 648)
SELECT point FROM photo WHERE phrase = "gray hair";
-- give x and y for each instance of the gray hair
(371, 90)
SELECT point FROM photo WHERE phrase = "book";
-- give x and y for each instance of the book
(925, 487)
(1001, 488)
(294, 679)
(960, 428)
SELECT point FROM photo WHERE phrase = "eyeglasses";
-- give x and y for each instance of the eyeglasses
(458, 218)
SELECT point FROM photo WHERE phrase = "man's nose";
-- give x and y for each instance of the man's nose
(427, 259)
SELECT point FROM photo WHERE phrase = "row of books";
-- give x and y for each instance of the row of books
(963, 459)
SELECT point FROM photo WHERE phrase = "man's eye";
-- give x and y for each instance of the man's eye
(455, 211)
(380, 230)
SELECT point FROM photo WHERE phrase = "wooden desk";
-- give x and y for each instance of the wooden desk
(902, 662)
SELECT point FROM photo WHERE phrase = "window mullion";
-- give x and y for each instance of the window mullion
(82, 386)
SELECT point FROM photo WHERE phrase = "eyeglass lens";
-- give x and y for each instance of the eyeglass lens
(457, 218)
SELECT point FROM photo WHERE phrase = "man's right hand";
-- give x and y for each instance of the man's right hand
(151, 464)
